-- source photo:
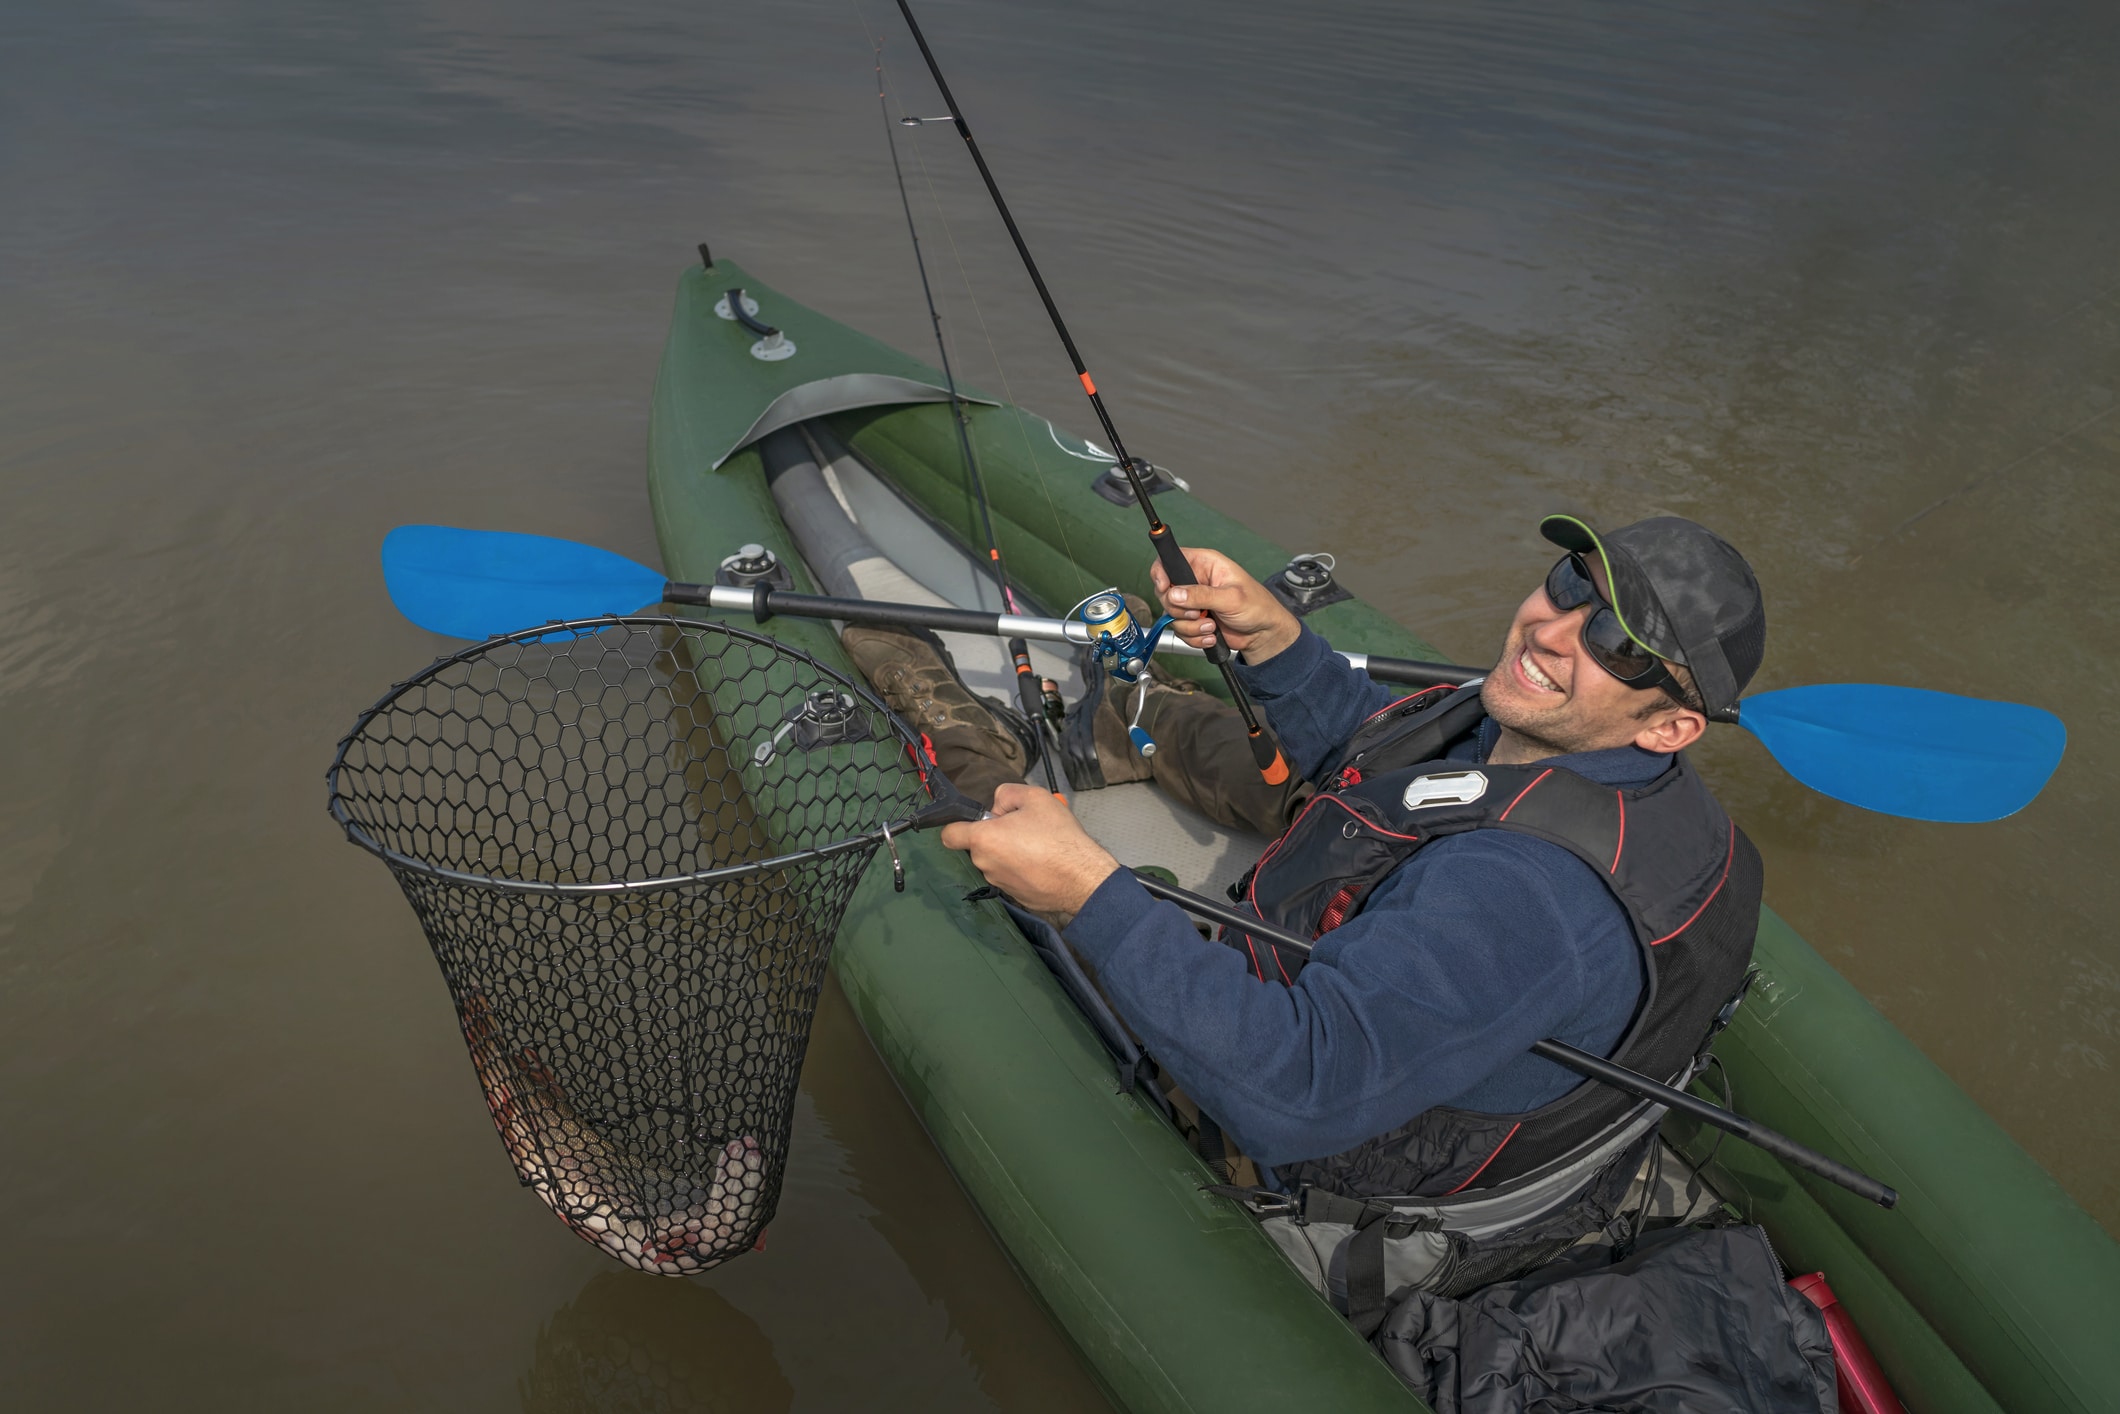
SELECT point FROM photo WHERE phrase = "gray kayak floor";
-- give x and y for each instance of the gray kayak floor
(917, 563)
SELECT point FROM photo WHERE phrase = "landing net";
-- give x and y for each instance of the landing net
(630, 842)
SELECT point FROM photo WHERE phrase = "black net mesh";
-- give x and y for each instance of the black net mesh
(630, 842)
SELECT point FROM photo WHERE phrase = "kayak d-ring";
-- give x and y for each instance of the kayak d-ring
(823, 718)
(1307, 583)
(772, 345)
(1115, 488)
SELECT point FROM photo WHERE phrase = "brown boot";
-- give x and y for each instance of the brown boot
(915, 678)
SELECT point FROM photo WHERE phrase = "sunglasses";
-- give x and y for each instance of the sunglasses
(1569, 586)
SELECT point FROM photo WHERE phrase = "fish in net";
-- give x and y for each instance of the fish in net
(630, 842)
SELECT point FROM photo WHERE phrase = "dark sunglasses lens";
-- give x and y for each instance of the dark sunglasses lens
(1567, 586)
(1616, 653)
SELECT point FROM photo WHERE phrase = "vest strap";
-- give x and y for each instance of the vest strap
(1365, 1277)
(1259, 1202)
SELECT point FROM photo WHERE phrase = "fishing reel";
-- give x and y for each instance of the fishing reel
(1122, 648)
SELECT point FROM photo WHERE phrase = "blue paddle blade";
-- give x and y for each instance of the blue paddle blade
(477, 583)
(1907, 751)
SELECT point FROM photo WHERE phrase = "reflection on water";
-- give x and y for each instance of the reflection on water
(1389, 279)
(632, 1344)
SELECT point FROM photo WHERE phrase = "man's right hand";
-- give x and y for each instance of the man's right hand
(1227, 604)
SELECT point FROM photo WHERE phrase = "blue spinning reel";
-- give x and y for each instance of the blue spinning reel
(1122, 648)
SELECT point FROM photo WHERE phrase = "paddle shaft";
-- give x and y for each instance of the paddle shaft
(1582, 1063)
(1176, 567)
(762, 601)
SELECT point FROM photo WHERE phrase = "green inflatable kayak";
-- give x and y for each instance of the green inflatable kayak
(1986, 1289)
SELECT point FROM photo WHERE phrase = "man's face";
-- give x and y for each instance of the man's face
(1548, 689)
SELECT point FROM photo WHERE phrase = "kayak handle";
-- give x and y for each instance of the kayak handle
(743, 316)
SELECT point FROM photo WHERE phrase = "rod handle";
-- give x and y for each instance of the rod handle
(1781, 1146)
(1266, 754)
(1176, 568)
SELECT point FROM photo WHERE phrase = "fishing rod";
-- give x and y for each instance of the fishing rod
(950, 807)
(1591, 1067)
(1019, 651)
(1264, 750)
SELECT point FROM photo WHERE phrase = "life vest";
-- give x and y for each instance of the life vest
(1689, 881)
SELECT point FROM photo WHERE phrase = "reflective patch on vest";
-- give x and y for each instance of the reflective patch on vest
(1444, 788)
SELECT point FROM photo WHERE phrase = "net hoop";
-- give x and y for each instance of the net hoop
(630, 841)
(397, 859)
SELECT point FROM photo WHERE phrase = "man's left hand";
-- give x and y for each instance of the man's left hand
(1035, 851)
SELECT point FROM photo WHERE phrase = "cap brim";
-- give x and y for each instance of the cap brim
(1571, 534)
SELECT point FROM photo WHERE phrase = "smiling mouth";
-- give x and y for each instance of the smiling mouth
(1532, 675)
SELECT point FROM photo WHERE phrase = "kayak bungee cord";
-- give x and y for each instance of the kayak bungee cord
(1264, 750)
(1019, 651)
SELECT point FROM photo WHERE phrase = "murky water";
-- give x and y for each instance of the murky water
(1390, 280)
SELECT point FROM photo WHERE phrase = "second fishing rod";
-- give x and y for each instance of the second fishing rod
(1264, 750)
(1027, 693)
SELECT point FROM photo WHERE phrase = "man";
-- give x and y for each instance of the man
(1530, 857)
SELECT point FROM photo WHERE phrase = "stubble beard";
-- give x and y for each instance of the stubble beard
(1547, 733)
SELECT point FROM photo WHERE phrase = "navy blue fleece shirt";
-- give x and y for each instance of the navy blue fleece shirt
(1477, 946)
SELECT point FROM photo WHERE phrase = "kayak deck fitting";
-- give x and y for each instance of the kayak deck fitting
(1987, 1289)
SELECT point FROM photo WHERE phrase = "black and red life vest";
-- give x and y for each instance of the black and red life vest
(1687, 877)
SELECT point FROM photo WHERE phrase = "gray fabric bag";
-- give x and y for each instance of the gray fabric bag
(1693, 1322)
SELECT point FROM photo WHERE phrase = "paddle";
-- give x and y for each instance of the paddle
(1896, 750)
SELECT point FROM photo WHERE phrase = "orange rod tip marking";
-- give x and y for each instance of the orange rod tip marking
(1089, 385)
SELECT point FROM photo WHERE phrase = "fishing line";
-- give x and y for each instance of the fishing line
(1986, 476)
(1094, 454)
(979, 315)
(1177, 569)
(949, 377)
(1027, 684)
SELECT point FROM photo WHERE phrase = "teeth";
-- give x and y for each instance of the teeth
(1538, 679)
